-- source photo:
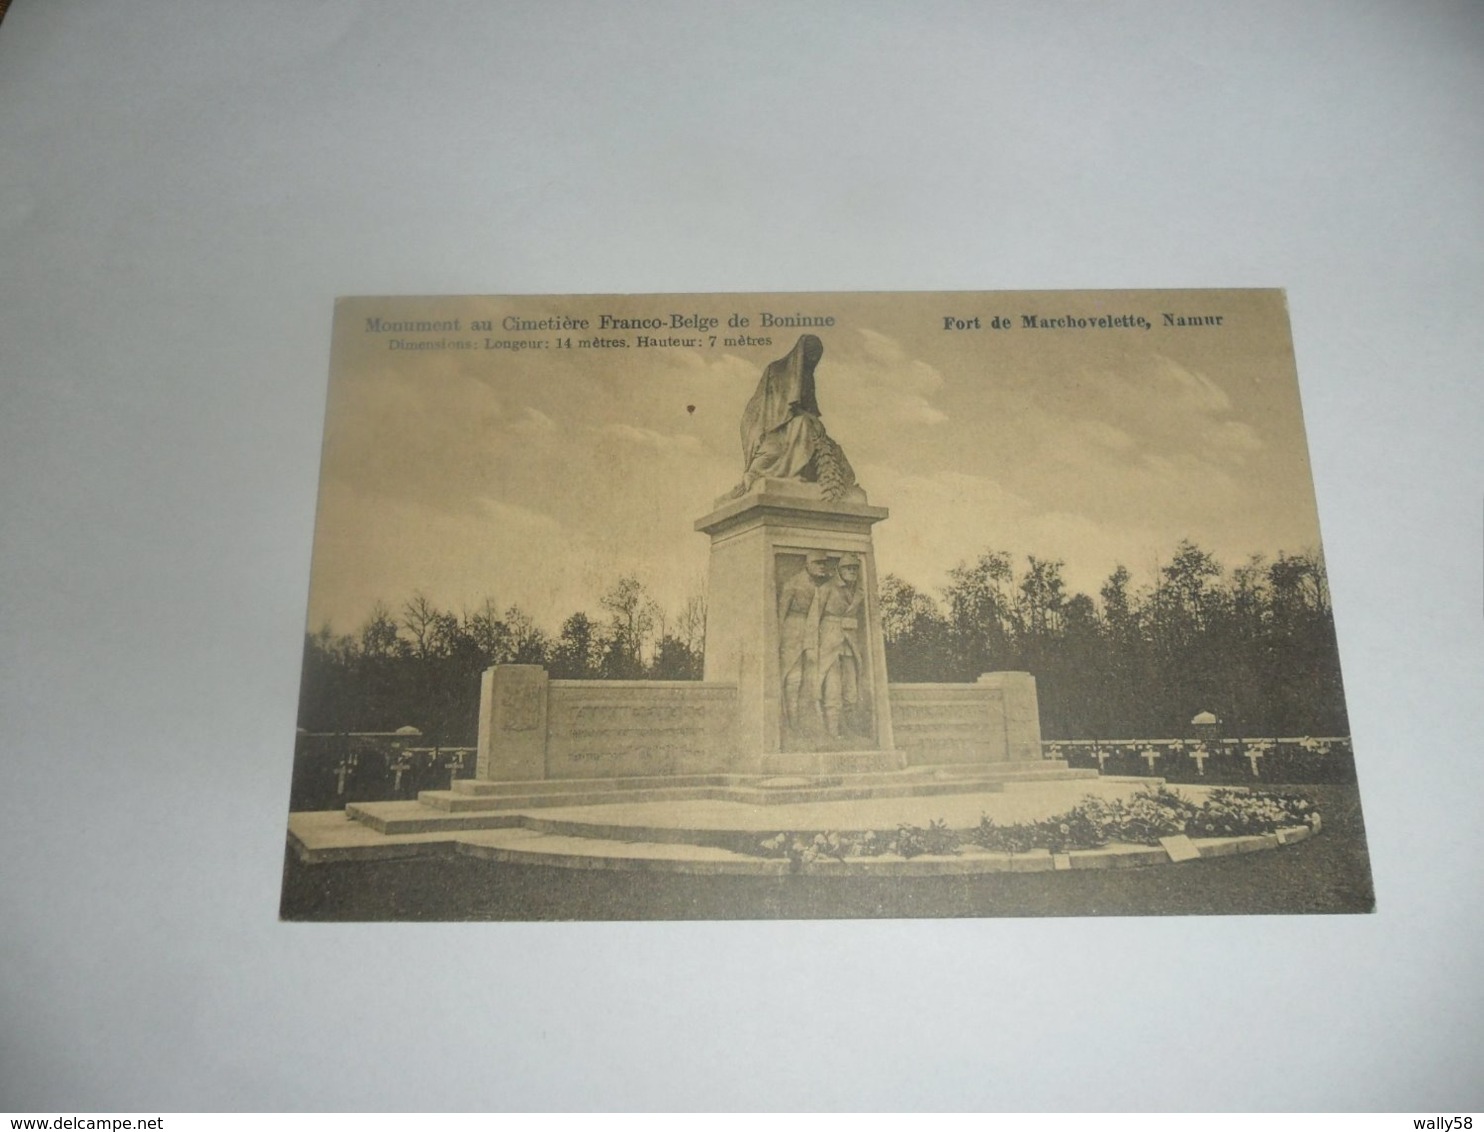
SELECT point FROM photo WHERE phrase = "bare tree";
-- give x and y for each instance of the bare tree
(379, 633)
(633, 614)
(419, 616)
(490, 634)
(528, 642)
(691, 625)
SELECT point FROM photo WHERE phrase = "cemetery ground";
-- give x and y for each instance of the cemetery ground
(1328, 873)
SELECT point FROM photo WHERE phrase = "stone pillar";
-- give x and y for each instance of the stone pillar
(512, 723)
(1022, 712)
(759, 545)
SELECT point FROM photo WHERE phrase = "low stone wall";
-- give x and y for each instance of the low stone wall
(532, 728)
(615, 728)
(995, 719)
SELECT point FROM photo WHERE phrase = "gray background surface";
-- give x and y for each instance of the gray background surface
(185, 187)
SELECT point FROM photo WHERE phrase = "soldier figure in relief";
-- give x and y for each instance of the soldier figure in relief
(800, 610)
(840, 622)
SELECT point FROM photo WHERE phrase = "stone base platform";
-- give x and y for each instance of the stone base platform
(834, 762)
(713, 834)
(477, 804)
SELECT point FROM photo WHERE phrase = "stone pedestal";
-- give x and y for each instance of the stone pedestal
(760, 544)
(1022, 712)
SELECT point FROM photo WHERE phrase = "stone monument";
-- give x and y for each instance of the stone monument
(795, 679)
(793, 617)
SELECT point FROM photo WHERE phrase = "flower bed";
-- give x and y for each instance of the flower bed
(1142, 819)
(1146, 817)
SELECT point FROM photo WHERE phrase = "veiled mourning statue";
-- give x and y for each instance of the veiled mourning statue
(782, 435)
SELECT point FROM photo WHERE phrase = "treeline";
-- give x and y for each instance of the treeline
(1254, 645)
(421, 665)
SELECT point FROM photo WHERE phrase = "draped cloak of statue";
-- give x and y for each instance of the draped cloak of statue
(782, 437)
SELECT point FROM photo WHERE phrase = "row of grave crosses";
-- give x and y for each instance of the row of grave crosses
(400, 762)
(1253, 750)
(405, 761)
(1199, 753)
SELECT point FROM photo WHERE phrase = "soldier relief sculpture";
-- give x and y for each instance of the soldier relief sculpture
(821, 618)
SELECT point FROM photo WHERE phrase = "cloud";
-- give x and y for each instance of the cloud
(1235, 440)
(540, 480)
(1173, 408)
(871, 387)
(937, 519)
(1185, 389)
(943, 519)
(533, 421)
(907, 373)
(513, 516)
(1103, 434)
(1150, 444)
(419, 432)
(1191, 412)
(667, 445)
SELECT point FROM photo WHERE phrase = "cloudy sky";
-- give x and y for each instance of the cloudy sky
(539, 477)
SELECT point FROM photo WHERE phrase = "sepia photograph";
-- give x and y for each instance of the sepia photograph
(804, 557)
(776, 606)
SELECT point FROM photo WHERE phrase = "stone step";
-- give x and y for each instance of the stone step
(931, 726)
(1050, 775)
(553, 850)
(1004, 771)
(480, 786)
(595, 794)
(917, 788)
(474, 795)
(439, 812)
(476, 787)
(905, 787)
(833, 762)
(413, 817)
(749, 790)
(322, 837)
(975, 769)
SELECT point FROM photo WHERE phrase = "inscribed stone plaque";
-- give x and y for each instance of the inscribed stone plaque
(520, 705)
(1180, 847)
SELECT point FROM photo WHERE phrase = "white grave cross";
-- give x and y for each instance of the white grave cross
(455, 764)
(403, 763)
(1254, 752)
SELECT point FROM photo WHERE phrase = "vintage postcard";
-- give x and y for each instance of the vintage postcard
(819, 605)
